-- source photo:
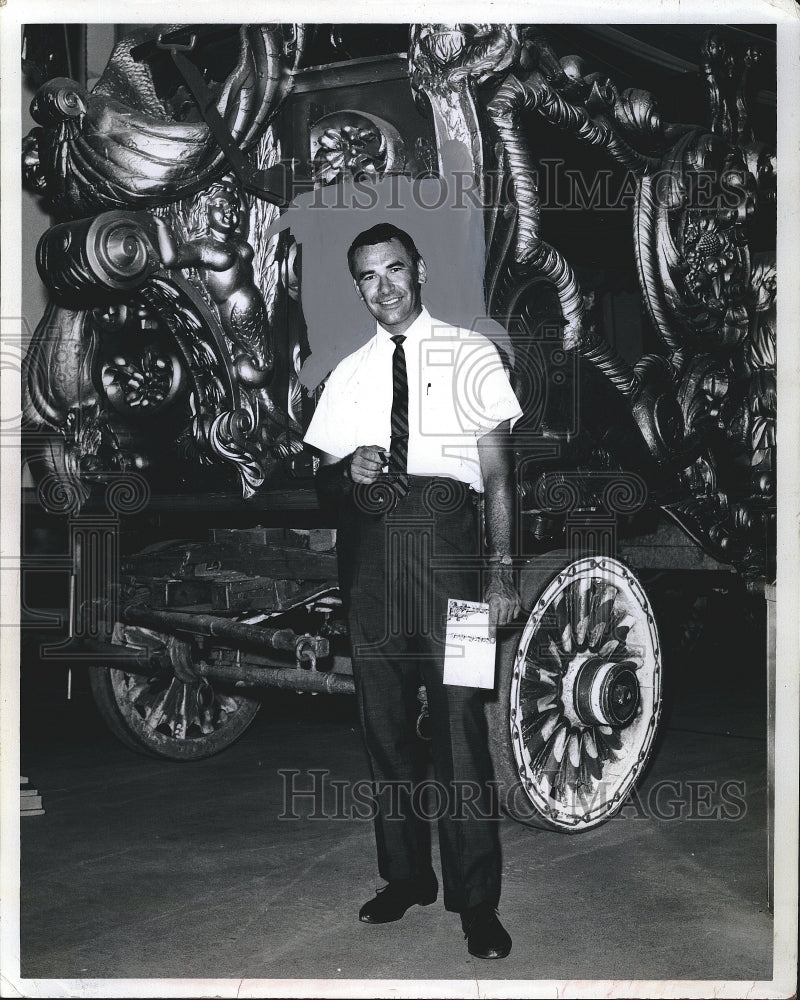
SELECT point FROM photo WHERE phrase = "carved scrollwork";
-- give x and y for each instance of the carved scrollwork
(703, 390)
(636, 111)
(595, 122)
(232, 422)
(531, 250)
(691, 247)
(710, 303)
(443, 56)
(761, 360)
(110, 253)
(234, 278)
(230, 437)
(445, 63)
(122, 146)
(207, 343)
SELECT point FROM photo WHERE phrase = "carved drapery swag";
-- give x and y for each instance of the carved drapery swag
(123, 146)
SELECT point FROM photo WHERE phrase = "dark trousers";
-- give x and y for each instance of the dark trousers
(397, 570)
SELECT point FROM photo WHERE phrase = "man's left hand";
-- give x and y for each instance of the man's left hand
(502, 597)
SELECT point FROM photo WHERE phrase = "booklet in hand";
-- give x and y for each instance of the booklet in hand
(469, 652)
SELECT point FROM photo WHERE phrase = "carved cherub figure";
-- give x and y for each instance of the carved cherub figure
(224, 260)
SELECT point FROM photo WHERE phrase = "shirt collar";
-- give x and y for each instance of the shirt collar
(420, 328)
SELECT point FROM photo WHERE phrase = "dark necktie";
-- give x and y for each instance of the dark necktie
(398, 451)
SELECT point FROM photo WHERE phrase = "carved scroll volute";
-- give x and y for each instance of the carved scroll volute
(80, 260)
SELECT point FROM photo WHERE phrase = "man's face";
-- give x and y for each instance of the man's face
(389, 283)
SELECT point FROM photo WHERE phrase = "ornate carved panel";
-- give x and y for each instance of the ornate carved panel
(162, 318)
(174, 335)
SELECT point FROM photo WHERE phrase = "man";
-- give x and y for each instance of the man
(411, 428)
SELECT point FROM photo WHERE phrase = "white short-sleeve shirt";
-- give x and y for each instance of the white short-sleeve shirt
(458, 390)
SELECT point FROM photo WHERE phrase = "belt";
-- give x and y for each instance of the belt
(439, 494)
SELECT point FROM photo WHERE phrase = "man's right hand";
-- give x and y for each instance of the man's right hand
(367, 463)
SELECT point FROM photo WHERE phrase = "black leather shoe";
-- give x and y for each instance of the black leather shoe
(486, 936)
(395, 898)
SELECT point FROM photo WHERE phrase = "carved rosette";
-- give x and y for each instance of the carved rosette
(355, 146)
(148, 379)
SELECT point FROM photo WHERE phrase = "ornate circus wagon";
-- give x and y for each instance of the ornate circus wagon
(627, 242)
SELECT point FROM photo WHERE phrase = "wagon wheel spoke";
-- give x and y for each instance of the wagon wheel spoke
(177, 708)
(585, 693)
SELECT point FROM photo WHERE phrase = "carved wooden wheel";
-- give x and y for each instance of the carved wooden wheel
(579, 695)
(169, 713)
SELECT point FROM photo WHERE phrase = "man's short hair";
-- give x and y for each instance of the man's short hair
(383, 233)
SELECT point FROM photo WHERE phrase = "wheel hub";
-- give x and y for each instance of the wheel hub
(606, 694)
(180, 654)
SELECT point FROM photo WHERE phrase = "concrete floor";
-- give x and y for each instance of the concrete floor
(148, 869)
